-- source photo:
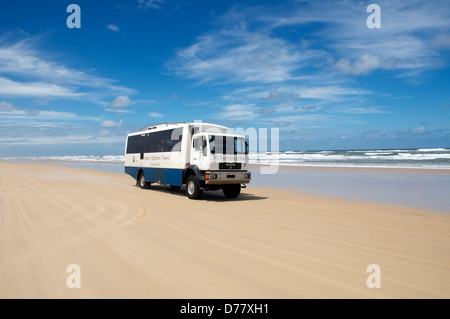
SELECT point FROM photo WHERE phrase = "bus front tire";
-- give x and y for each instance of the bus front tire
(193, 190)
(142, 182)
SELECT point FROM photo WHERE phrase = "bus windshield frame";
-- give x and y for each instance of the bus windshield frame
(227, 145)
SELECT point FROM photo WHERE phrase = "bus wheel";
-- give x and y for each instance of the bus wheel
(193, 189)
(231, 191)
(142, 183)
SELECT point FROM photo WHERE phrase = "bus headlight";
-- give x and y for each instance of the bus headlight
(247, 175)
(211, 176)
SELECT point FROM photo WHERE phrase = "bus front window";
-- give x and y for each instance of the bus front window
(226, 145)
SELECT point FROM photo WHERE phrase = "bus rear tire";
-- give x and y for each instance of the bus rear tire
(232, 190)
(193, 190)
(142, 182)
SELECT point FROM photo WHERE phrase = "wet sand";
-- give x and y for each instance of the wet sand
(423, 188)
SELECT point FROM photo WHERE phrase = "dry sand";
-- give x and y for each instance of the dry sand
(133, 243)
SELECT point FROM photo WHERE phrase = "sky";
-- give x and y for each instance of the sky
(319, 71)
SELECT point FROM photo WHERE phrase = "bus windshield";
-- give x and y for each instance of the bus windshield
(220, 144)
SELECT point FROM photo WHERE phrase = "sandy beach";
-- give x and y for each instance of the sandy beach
(156, 243)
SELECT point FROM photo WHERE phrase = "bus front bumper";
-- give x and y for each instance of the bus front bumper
(227, 177)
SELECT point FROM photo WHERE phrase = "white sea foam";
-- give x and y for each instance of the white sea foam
(426, 157)
(437, 158)
(432, 150)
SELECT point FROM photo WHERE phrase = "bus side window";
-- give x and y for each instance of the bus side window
(200, 144)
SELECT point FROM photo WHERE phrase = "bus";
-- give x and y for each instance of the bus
(199, 156)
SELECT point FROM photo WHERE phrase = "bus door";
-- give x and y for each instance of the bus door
(198, 151)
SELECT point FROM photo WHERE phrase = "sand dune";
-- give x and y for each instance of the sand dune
(133, 243)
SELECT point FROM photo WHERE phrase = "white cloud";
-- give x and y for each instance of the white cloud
(156, 114)
(6, 107)
(410, 37)
(9, 113)
(120, 101)
(329, 93)
(239, 56)
(44, 78)
(361, 110)
(119, 111)
(239, 112)
(42, 115)
(111, 123)
(113, 27)
(292, 93)
(71, 139)
(302, 102)
(441, 41)
(104, 133)
(306, 121)
(419, 130)
(42, 100)
(150, 4)
(364, 65)
(34, 89)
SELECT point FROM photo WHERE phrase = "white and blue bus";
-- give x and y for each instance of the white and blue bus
(201, 156)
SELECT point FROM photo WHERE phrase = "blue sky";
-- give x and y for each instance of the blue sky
(313, 69)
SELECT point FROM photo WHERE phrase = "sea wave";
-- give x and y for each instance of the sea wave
(425, 158)
(435, 157)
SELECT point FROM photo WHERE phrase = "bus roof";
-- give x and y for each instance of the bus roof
(201, 127)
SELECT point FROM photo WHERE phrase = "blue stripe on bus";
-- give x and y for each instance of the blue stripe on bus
(170, 176)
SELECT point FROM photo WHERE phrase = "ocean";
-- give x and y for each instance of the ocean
(395, 158)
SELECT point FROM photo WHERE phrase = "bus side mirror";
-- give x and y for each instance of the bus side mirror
(246, 147)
